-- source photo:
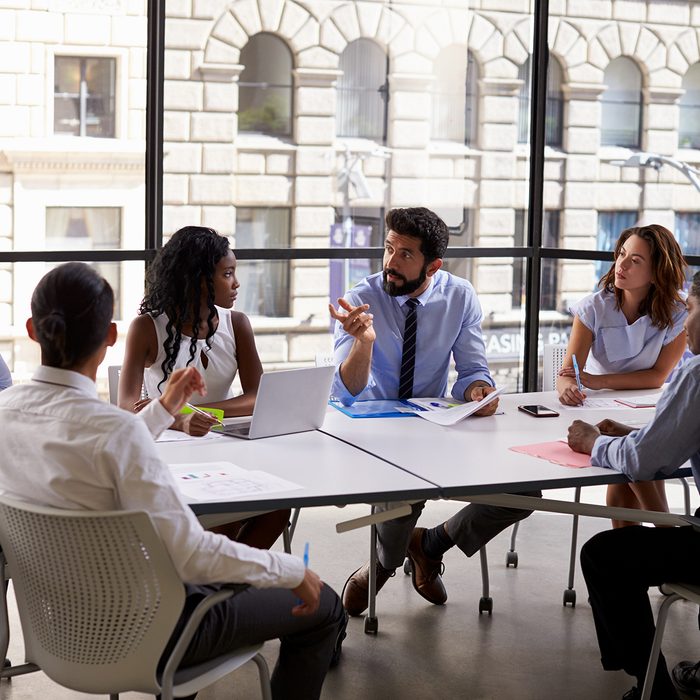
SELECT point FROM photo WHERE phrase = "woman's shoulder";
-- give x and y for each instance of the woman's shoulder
(144, 325)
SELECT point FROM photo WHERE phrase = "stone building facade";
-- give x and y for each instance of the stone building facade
(221, 172)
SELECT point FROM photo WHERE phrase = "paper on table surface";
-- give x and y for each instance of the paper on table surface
(450, 416)
(597, 405)
(648, 401)
(219, 481)
(557, 452)
(179, 436)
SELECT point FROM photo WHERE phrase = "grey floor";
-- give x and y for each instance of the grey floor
(530, 648)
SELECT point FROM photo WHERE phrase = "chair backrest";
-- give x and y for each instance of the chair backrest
(553, 360)
(97, 594)
(113, 380)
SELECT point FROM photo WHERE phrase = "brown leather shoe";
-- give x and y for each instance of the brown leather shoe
(356, 589)
(425, 572)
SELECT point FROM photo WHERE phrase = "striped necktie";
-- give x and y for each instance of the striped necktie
(408, 356)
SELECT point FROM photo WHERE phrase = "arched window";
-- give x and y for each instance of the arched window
(621, 118)
(265, 87)
(554, 114)
(362, 91)
(455, 96)
(689, 122)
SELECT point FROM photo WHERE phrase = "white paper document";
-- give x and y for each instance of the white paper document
(224, 481)
(597, 405)
(179, 436)
(450, 416)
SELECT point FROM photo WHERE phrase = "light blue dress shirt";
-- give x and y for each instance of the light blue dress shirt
(665, 444)
(5, 376)
(449, 323)
(618, 346)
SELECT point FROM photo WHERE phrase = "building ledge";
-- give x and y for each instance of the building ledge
(72, 153)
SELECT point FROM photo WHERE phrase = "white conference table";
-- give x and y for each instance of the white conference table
(473, 456)
(329, 471)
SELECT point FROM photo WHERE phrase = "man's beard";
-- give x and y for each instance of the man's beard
(408, 286)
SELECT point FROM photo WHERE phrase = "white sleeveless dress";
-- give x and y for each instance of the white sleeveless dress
(222, 362)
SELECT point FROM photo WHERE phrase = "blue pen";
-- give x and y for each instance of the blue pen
(577, 373)
(306, 566)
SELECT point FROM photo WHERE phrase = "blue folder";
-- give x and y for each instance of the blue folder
(379, 408)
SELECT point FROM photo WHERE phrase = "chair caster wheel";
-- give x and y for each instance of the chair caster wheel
(512, 559)
(371, 625)
(570, 597)
(407, 566)
(486, 605)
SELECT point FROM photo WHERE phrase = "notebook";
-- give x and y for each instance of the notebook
(290, 401)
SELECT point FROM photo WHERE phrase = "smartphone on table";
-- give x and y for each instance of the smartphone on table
(538, 411)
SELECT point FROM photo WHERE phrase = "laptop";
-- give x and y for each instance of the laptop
(290, 401)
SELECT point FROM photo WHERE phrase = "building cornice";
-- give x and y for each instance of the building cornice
(72, 155)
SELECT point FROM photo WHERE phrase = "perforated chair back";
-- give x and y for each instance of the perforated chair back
(553, 361)
(97, 594)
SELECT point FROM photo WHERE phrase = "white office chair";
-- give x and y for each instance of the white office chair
(674, 592)
(98, 599)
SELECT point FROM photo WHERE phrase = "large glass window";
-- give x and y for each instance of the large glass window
(265, 87)
(265, 288)
(621, 118)
(84, 96)
(362, 91)
(689, 120)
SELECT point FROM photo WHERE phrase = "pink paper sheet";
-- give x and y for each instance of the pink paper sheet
(557, 452)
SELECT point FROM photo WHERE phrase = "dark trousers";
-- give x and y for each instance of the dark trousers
(470, 528)
(619, 567)
(257, 615)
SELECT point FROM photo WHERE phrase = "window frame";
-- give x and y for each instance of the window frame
(120, 57)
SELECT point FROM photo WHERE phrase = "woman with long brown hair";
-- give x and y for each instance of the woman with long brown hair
(629, 335)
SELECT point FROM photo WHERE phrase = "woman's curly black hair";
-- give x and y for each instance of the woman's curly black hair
(174, 286)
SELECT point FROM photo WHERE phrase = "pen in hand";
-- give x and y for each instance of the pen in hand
(306, 566)
(577, 373)
(203, 413)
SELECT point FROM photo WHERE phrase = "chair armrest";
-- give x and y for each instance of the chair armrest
(226, 591)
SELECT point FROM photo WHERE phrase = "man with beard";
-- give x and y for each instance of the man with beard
(395, 334)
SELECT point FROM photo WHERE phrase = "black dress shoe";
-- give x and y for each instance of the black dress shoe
(632, 694)
(686, 676)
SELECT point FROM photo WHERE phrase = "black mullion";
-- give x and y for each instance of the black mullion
(154, 124)
(538, 107)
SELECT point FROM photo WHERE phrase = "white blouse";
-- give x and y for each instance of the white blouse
(618, 346)
(222, 363)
